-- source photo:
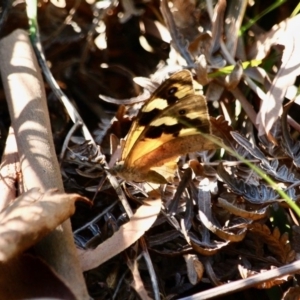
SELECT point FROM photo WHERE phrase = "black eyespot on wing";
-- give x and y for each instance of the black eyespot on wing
(172, 91)
(182, 112)
(170, 95)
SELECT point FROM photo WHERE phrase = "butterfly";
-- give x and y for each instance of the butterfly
(172, 122)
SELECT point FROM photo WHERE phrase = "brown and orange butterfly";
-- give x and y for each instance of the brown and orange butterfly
(172, 122)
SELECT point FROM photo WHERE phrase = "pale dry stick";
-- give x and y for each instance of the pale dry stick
(25, 93)
(243, 284)
(9, 170)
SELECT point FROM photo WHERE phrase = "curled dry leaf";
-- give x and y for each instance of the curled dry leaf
(207, 249)
(32, 216)
(195, 268)
(238, 211)
(129, 233)
(223, 233)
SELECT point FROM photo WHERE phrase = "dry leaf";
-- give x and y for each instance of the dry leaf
(32, 216)
(238, 211)
(129, 233)
(293, 293)
(224, 234)
(245, 273)
(276, 242)
(207, 249)
(195, 268)
(285, 34)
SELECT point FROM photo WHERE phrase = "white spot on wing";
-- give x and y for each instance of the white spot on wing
(164, 121)
(156, 103)
(187, 131)
(193, 115)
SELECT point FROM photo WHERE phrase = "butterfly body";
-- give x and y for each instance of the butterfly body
(173, 122)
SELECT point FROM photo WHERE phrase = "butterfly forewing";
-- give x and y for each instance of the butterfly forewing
(178, 86)
(183, 119)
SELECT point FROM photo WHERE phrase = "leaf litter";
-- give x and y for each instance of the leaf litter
(219, 222)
